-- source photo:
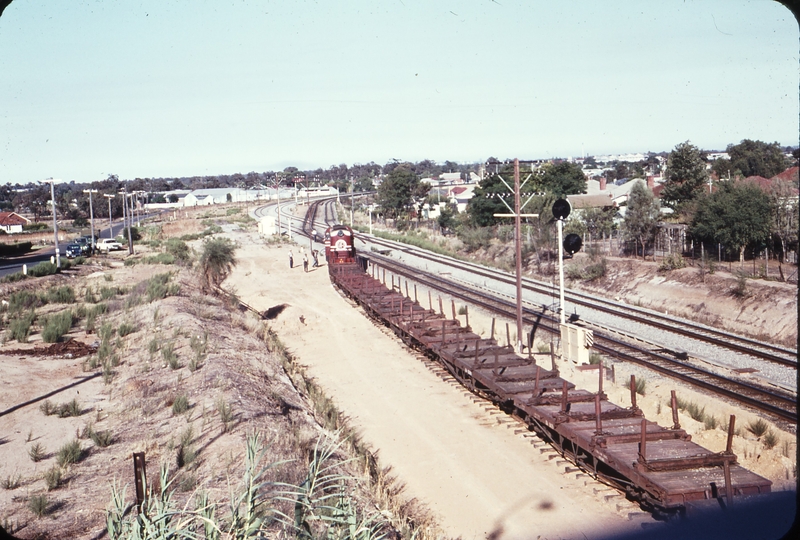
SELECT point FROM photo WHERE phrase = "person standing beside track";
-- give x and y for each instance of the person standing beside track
(305, 261)
(291, 259)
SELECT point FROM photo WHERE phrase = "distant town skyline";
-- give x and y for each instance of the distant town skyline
(158, 89)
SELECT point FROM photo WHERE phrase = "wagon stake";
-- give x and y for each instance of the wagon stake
(674, 405)
(633, 392)
(140, 476)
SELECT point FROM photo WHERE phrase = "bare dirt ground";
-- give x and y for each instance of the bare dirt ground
(457, 456)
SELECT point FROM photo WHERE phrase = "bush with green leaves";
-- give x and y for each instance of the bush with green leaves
(52, 477)
(37, 452)
(19, 328)
(44, 268)
(178, 249)
(38, 505)
(70, 453)
(180, 405)
(216, 261)
(24, 301)
(61, 295)
(55, 326)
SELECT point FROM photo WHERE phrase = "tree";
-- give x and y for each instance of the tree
(736, 215)
(641, 217)
(598, 221)
(216, 261)
(757, 158)
(395, 194)
(563, 179)
(446, 219)
(686, 178)
(784, 218)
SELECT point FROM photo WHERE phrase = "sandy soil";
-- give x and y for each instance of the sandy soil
(474, 473)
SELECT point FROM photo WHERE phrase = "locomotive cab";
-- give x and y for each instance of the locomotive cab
(339, 248)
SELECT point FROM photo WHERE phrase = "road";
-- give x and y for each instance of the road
(11, 265)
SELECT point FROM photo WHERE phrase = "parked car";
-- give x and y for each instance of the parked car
(74, 250)
(108, 244)
(85, 243)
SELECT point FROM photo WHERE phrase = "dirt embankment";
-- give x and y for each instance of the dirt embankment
(766, 310)
(186, 379)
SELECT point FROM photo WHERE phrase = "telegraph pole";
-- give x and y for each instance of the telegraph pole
(91, 212)
(517, 214)
(52, 182)
(110, 222)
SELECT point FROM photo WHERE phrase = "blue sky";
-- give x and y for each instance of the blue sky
(165, 88)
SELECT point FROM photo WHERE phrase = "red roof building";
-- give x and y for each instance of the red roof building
(11, 222)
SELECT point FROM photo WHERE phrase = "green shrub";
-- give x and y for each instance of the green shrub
(61, 295)
(107, 293)
(180, 405)
(72, 408)
(44, 268)
(225, 413)
(53, 477)
(157, 288)
(758, 428)
(475, 239)
(56, 326)
(169, 355)
(711, 422)
(125, 329)
(178, 249)
(101, 438)
(70, 453)
(770, 440)
(641, 386)
(25, 300)
(13, 278)
(37, 452)
(20, 328)
(48, 408)
(12, 481)
(38, 504)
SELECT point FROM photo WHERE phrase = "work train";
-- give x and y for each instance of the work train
(339, 245)
(660, 467)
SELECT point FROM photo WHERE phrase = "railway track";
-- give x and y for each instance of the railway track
(778, 404)
(758, 349)
(775, 402)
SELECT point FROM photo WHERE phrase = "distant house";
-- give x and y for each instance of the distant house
(206, 197)
(11, 222)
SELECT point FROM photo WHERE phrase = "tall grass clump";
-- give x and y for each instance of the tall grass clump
(178, 249)
(641, 386)
(37, 452)
(24, 300)
(170, 356)
(38, 504)
(180, 405)
(52, 477)
(225, 413)
(321, 504)
(70, 453)
(758, 427)
(770, 440)
(19, 328)
(126, 328)
(692, 409)
(61, 295)
(11, 481)
(55, 326)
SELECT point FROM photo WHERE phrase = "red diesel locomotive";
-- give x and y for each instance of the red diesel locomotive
(339, 245)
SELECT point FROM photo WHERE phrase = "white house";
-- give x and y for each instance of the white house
(11, 222)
